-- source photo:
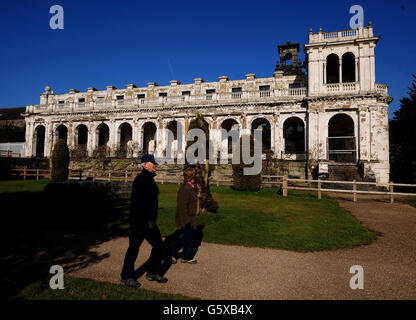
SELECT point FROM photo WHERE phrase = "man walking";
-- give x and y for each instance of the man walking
(143, 215)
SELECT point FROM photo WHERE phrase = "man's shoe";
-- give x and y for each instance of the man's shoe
(174, 260)
(192, 261)
(130, 282)
(156, 277)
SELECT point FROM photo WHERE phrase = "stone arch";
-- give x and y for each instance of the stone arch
(61, 132)
(264, 125)
(39, 140)
(81, 136)
(102, 134)
(177, 130)
(348, 67)
(332, 68)
(294, 135)
(228, 125)
(149, 130)
(341, 138)
(124, 134)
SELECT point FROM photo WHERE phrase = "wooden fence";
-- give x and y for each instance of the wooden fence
(226, 180)
(9, 153)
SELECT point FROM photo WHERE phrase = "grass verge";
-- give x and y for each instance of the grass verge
(86, 289)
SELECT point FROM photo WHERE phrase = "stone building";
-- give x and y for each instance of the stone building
(332, 115)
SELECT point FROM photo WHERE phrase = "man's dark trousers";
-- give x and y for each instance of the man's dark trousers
(136, 237)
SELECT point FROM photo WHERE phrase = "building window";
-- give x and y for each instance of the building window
(163, 94)
(294, 85)
(332, 69)
(210, 91)
(186, 93)
(264, 88)
(81, 102)
(236, 93)
(120, 100)
(141, 96)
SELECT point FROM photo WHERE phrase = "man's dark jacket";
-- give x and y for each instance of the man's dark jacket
(144, 199)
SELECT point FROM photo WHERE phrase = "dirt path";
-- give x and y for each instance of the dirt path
(232, 272)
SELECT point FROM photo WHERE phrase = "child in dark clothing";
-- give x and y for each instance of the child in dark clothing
(171, 247)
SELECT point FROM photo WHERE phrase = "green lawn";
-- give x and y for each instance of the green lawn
(22, 185)
(86, 289)
(299, 222)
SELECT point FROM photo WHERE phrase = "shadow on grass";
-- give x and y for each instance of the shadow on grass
(60, 225)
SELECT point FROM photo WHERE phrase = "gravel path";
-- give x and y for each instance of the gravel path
(232, 272)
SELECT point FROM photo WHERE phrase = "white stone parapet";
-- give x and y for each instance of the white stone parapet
(335, 36)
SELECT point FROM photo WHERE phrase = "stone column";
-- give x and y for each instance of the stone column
(356, 70)
(135, 136)
(48, 139)
(340, 70)
(91, 139)
(324, 72)
(29, 139)
(71, 136)
(112, 143)
(276, 145)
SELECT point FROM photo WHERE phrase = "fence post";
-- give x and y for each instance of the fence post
(50, 174)
(109, 176)
(37, 174)
(319, 190)
(354, 194)
(216, 179)
(162, 175)
(24, 173)
(179, 178)
(391, 192)
(125, 176)
(285, 186)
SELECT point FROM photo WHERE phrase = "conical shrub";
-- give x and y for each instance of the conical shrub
(243, 182)
(60, 161)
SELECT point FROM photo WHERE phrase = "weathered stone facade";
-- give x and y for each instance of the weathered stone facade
(333, 113)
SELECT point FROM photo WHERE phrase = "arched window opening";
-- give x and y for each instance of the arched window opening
(40, 141)
(229, 125)
(294, 135)
(176, 128)
(264, 125)
(126, 134)
(288, 59)
(332, 69)
(149, 137)
(62, 132)
(103, 134)
(348, 67)
(341, 139)
(82, 136)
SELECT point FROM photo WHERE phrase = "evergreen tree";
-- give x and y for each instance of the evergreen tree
(203, 170)
(403, 139)
(60, 161)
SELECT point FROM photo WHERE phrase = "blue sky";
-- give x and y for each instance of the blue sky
(120, 42)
